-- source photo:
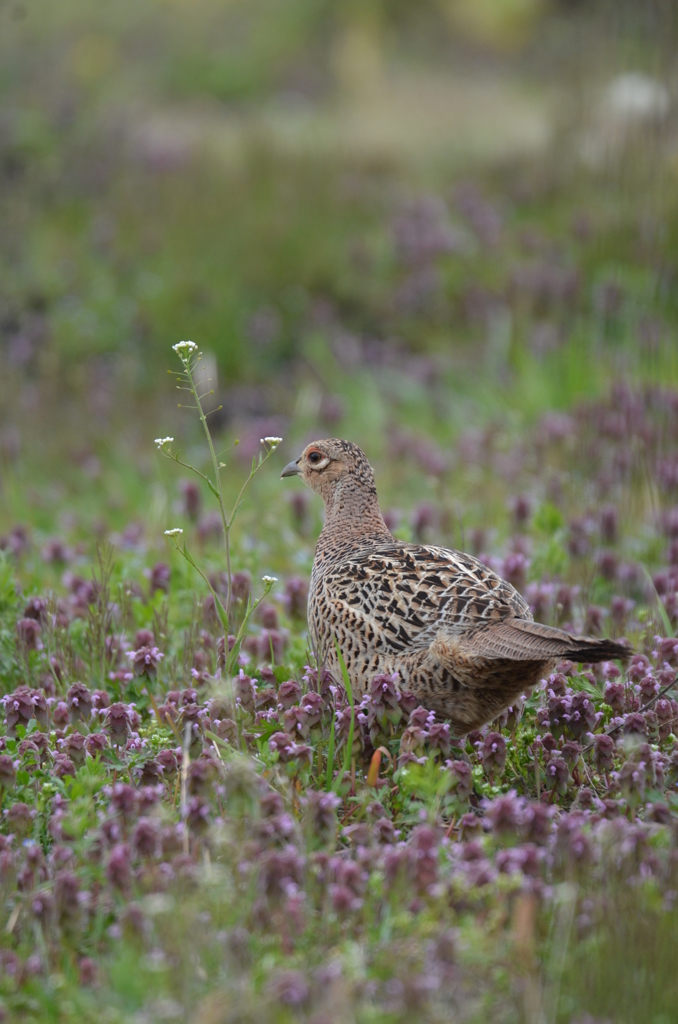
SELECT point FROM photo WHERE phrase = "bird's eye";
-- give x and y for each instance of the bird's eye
(314, 458)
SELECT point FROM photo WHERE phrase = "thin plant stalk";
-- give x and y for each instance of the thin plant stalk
(190, 356)
(232, 655)
(348, 753)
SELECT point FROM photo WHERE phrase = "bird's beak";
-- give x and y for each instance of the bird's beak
(291, 469)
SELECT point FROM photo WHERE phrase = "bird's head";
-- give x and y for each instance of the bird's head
(325, 465)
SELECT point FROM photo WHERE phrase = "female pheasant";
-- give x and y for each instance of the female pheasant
(460, 638)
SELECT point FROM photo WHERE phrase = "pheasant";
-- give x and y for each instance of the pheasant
(461, 639)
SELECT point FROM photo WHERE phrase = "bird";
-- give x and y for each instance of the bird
(461, 639)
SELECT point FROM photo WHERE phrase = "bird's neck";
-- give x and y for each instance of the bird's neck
(352, 518)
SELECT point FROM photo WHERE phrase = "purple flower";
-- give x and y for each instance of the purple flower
(28, 633)
(287, 750)
(79, 702)
(604, 747)
(384, 693)
(423, 856)
(20, 818)
(615, 697)
(89, 972)
(343, 899)
(537, 822)
(56, 550)
(289, 693)
(278, 870)
(493, 752)
(439, 737)
(385, 831)
(573, 846)
(167, 761)
(267, 615)
(118, 869)
(665, 717)
(191, 498)
(667, 650)
(540, 599)
(299, 505)
(462, 779)
(514, 569)
(66, 891)
(521, 509)
(411, 740)
(63, 767)
(193, 715)
(22, 706)
(637, 774)
(124, 799)
(36, 609)
(7, 772)
(635, 725)
(290, 988)
(296, 597)
(245, 691)
(75, 747)
(321, 813)
(198, 815)
(202, 774)
(557, 775)
(160, 577)
(504, 813)
(582, 715)
(639, 666)
(425, 518)
(145, 660)
(118, 722)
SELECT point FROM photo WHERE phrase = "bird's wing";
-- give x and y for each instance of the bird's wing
(405, 594)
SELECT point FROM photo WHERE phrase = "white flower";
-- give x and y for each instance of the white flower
(184, 349)
(269, 579)
(271, 442)
(175, 532)
(162, 441)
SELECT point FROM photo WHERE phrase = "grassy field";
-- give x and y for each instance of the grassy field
(451, 237)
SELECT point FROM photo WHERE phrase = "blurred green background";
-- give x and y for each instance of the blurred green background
(373, 216)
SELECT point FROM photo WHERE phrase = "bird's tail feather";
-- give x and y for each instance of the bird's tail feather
(524, 640)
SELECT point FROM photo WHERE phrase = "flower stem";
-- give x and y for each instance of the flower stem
(219, 493)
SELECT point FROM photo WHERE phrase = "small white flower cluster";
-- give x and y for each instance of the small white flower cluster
(269, 579)
(175, 532)
(163, 441)
(271, 442)
(185, 349)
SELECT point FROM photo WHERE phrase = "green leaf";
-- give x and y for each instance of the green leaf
(550, 559)
(548, 519)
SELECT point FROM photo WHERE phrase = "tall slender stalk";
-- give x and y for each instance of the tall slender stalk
(190, 356)
(217, 481)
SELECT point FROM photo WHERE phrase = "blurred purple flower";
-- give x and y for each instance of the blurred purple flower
(145, 660)
(118, 869)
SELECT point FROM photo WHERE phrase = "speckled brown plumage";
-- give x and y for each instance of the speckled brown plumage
(461, 639)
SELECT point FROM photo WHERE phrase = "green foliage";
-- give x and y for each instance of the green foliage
(548, 519)
(550, 559)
